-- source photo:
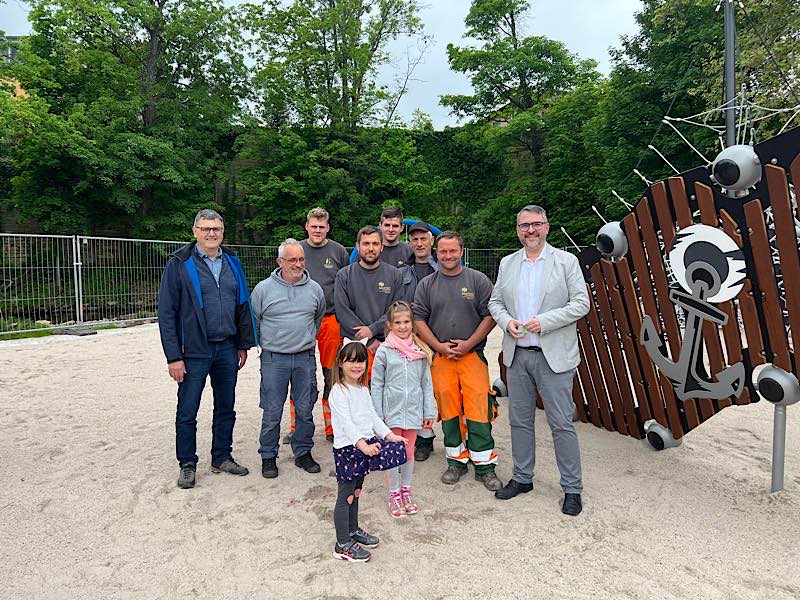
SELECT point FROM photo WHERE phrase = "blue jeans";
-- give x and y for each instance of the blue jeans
(277, 371)
(223, 367)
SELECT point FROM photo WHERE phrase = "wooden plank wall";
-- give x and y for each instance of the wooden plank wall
(617, 386)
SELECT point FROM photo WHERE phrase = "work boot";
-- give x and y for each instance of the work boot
(307, 463)
(454, 473)
(490, 480)
(423, 448)
(269, 468)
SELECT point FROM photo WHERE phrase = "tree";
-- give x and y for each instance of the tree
(684, 39)
(320, 58)
(133, 112)
(289, 170)
(514, 76)
(675, 64)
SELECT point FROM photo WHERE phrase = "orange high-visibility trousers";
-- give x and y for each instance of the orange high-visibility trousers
(467, 408)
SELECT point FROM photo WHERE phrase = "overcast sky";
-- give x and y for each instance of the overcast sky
(587, 27)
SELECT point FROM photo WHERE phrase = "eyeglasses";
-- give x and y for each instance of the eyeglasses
(214, 230)
(293, 261)
(535, 226)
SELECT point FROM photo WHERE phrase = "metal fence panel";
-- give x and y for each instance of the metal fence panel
(258, 262)
(486, 260)
(63, 280)
(119, 277)
(37, 280)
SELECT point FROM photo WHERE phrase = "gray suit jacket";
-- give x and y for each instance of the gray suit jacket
(564, 301)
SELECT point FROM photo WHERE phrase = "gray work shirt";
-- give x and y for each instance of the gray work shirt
(322, 264)
(453, 305)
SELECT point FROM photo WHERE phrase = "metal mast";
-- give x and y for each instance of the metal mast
(730, 74)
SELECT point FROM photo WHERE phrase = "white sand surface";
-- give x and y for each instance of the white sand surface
(90, 508)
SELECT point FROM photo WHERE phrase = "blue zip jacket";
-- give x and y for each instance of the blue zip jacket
(181, 320)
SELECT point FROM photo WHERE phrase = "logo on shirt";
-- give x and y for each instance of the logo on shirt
(327, 263)
(383, 288)
(465, 293)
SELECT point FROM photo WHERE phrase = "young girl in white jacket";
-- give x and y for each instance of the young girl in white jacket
(402, 394)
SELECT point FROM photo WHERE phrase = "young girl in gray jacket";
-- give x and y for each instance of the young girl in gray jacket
(402, 394)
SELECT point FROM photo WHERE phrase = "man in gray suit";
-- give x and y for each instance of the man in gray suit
(539, 295)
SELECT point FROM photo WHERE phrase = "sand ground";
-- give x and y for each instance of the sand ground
(90, 508)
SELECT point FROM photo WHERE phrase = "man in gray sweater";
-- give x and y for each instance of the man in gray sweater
(288, 307)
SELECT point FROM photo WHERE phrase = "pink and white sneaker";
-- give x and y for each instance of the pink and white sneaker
(407, 497)
(396, 508)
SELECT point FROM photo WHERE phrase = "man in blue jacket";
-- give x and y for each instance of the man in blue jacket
(206, 327)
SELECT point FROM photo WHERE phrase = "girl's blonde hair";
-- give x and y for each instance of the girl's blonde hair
(350, 352)
(401, 306)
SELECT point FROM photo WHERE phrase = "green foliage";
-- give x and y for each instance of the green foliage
(287, 171)
(675, 33)
(131, 116)
(319, 59)
(516, 80)
(139, 113)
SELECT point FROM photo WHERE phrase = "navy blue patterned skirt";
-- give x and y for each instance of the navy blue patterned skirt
(351, 463)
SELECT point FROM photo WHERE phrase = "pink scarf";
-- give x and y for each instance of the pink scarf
(406, 347)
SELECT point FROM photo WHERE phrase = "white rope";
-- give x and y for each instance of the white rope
(792, 118)
(627, 205)
(647, 182)
(775, 110)
(664, 158)
(744, 114)
(717, 128)
(597, 212)
(564, 231)
(688, 143)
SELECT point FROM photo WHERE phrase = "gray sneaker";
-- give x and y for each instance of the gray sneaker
(351, 551)
(453, 473)
(229, 466)
(490, 480)
(364, 539)
(186, 477)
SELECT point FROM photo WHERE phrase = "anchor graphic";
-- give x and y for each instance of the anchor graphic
(709, 265)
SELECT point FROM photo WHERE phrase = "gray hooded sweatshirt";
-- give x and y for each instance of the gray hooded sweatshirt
(288, 315)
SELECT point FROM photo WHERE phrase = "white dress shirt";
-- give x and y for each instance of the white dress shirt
(529, 293)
